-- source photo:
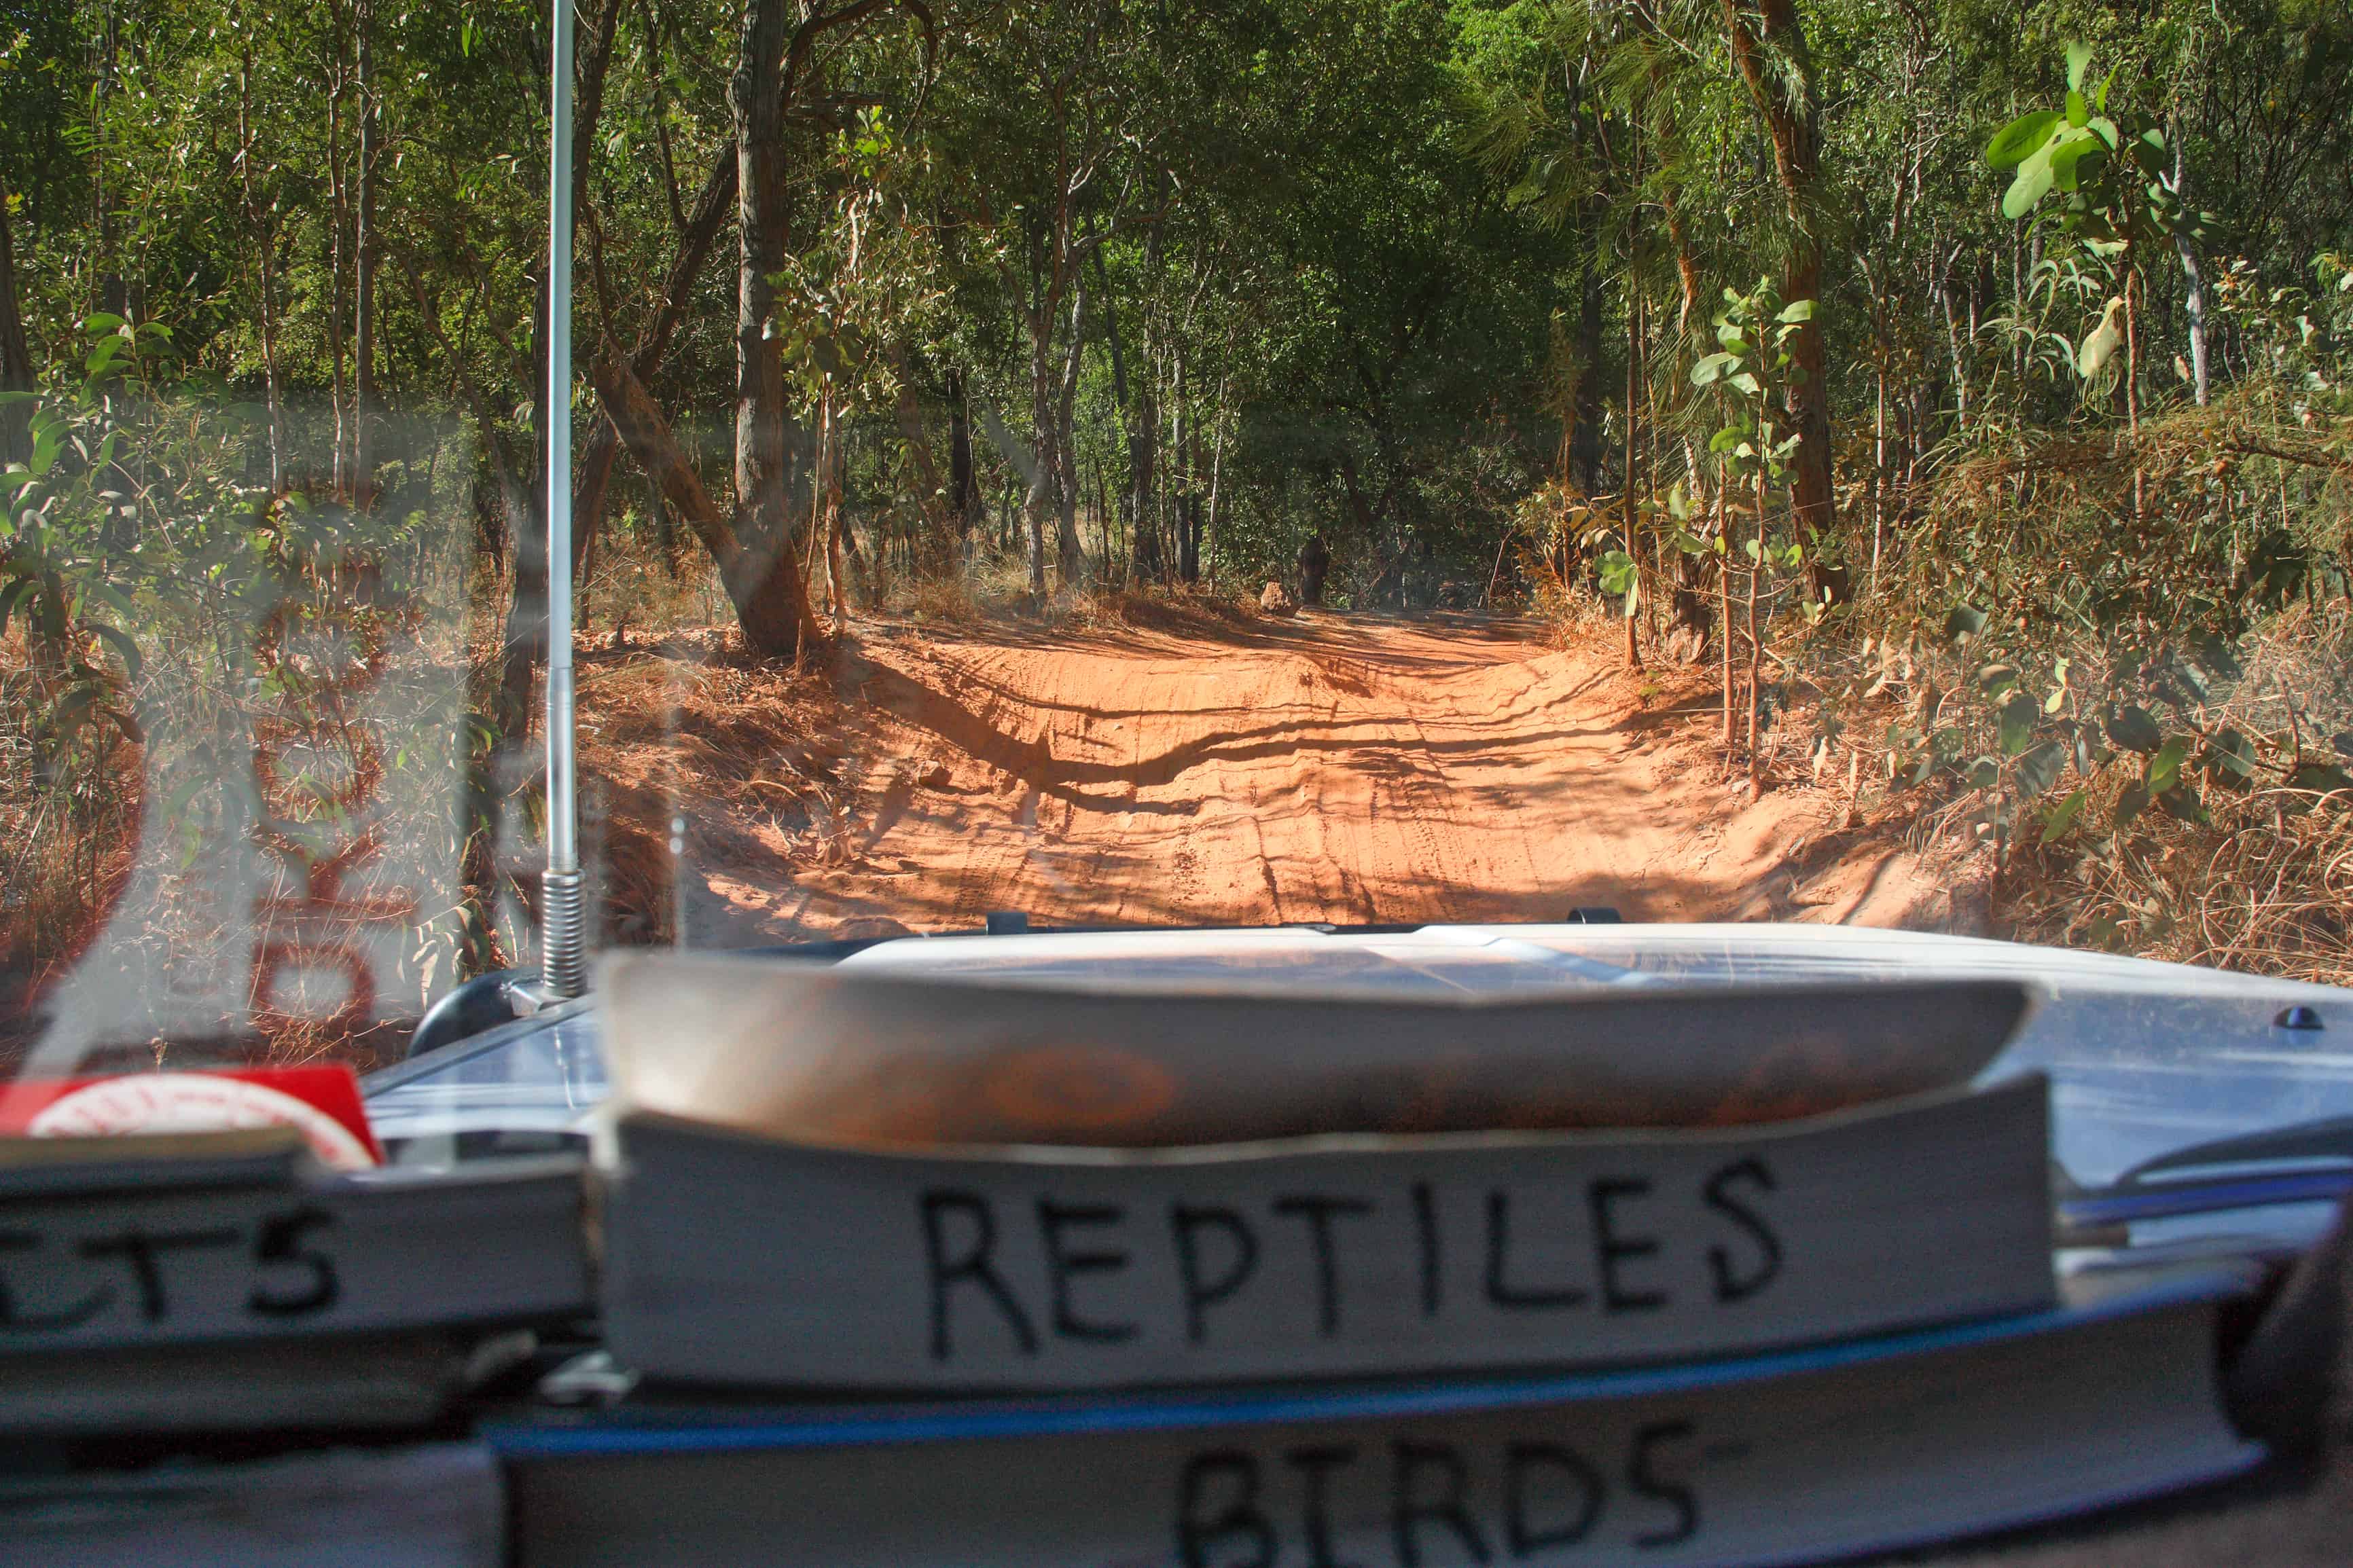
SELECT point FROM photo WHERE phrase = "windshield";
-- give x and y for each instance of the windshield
(1445, 462)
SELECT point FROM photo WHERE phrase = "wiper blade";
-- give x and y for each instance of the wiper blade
(2306, 1162)
(2302, 1147)
(2123, 1204)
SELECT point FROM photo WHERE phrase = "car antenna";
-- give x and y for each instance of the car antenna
(562, 960)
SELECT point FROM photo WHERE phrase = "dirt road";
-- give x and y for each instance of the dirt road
(1322, 768)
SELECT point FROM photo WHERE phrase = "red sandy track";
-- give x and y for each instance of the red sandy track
(1326, 768)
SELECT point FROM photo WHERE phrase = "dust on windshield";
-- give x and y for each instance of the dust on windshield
(1120, 465)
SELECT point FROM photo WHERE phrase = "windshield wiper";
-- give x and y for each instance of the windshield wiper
(2306, 1162)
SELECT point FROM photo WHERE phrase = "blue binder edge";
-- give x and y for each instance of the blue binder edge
(693, 1429)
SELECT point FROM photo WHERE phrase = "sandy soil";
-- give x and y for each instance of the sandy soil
(1205, 769)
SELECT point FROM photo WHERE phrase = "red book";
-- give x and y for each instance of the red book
(321, 1102)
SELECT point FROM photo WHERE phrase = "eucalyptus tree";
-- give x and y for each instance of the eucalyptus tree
(1769, 45)
(1760, 448)
(775, 59)
(1618, 140)
(1043, 126)
(1396, 316)
(16, 354)
(2111, 180)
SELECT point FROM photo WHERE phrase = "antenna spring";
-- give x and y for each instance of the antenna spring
(563, 961)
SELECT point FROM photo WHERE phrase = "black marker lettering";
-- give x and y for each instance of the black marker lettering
(1738, 1287)
(1521, 1463)
(1195, 1535)
(1201, 1292)
(1406, 1511)
(1612, 1249)
(1645, 1482)
(141, 1248)
(1425, 1220)
(1053, 1218)
(1499, 1248)
(72, 1317)
(1315, 1463)
(1319, 1212)
(280, 1243)
(973, 1266)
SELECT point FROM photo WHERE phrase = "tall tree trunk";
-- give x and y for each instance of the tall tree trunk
(1755, 634)
(2199, 381)
(1143, 474)
(596, 61)
(15, 354)
(1769, 43)
(1724, 604)
(1110, 309)
(1039, 495)
(363, 264)
(828, 473)
(1189, 558)
(112, 295)
(777, 619)
(1314, 563)
(1362, 513)
(1209, 532)
(594, 459)
(1585, 441)
(272, 382)
(523, 646)
(931, 499)
(1137, 416)
(1689, 610)
(265, 252)
(665, 523)
(1879, 475)
(592, 481)
(1687, 279)
(964, 481)
(1069, 554)
(2194, 277)
(2132, 379)
(1953, 341)
(338, 469)
(1633, 461)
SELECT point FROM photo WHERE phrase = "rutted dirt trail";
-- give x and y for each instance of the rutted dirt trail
(1325, 768)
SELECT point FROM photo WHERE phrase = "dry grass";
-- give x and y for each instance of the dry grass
(741, 758)
(2266, 886)
(632, 592)
(66, 843)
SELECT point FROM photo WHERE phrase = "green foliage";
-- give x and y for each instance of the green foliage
(65, 575)
(2108, 684)
(1753, 369)
(1755, 362)
(2113, 174)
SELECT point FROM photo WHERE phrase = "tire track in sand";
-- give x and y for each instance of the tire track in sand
(1327, 768)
